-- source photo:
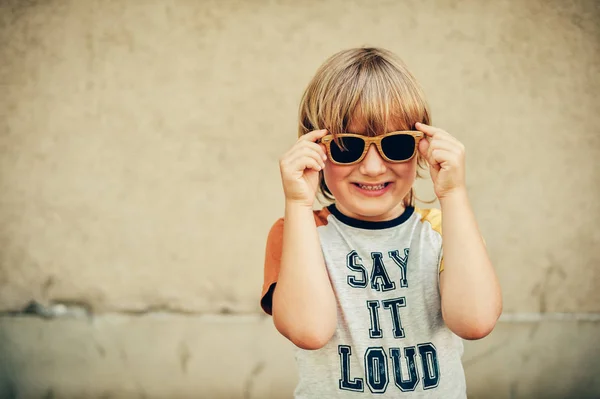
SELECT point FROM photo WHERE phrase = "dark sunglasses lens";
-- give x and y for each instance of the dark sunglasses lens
(398, 147)
(352, 148)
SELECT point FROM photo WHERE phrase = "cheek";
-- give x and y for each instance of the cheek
(407, 170)
(334, 174)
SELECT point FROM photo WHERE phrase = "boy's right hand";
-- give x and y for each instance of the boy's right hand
(300, 168)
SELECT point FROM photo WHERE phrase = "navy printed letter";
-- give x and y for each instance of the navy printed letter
(411, 383)
(401, 262)
(379, 273)
(431, 370)
(393, 305)
(376, 368)
(375, 331)
(353, 261)
(345, 382)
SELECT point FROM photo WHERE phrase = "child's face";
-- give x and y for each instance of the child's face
(382, 204)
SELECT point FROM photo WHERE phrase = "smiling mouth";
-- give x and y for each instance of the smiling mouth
(372, 187)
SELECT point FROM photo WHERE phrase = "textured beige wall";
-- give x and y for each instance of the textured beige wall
(138, 179)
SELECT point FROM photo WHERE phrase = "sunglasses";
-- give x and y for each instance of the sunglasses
(394, 147)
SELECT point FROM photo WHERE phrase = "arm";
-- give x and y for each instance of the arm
(304, 306)
(470, 291)
(471, 296)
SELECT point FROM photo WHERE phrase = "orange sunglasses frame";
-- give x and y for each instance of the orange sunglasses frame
(372, 140)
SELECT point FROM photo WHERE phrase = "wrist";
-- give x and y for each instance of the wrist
(454, 197)
(297, 205)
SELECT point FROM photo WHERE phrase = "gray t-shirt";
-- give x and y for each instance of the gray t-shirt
(391, 340)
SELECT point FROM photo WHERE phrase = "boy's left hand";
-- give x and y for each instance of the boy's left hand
(446, 158)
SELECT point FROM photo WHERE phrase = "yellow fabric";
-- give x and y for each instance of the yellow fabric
(434, 217)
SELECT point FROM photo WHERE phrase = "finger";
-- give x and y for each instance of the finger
(320, 148)
(445, 157)
(314, 135)
(303, 144)
(313, 151)
(434, 166)
(430, 131)
(425, 148)
(443, 135)
(305, 162)
(448, 145)
(309, 153)
(297, 166)
(324, 149)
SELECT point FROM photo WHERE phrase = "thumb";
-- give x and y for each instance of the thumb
(433, 167)
(423, 150)
(433, 171)
(423, 147)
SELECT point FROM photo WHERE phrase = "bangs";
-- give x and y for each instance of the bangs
(385, 101)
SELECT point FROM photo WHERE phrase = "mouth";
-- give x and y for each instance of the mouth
(372, 190)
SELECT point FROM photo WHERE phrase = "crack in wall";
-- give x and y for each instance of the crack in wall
(249, 383)
(82, 310)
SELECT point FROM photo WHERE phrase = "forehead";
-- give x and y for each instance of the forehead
(359, 125)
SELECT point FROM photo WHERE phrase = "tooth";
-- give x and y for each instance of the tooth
(372, 188)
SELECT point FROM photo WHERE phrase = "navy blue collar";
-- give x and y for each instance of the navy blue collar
(363, 224)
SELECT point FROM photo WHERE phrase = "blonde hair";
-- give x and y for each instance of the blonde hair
(367, 83)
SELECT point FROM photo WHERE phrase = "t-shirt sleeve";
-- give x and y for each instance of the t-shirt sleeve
(435, 218)
(272, 265)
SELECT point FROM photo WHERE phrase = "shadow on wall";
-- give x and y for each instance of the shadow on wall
(11, 363)
(550, 359)
(569, 366)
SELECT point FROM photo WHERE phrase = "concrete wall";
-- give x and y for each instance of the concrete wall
(138, 179)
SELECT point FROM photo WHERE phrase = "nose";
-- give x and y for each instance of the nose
(372, 164)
